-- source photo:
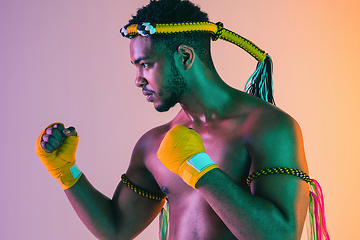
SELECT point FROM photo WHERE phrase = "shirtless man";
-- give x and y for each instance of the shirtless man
(241, 133)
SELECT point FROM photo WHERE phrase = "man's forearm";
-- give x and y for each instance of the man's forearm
(246, 215)
(94, 209)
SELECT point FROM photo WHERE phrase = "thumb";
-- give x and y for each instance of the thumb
(70, 131)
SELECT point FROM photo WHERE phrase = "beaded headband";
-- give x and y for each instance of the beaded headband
(259, 83)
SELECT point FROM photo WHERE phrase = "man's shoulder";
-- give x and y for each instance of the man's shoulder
(266, 115)
(145, 150)
(273, 117)
(152, 138)
(273, 138)
(259, 119)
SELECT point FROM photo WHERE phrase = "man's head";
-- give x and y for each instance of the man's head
(159, 78)
(176, 11)
(157, 73)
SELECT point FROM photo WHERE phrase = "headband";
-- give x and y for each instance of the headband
(259, 83)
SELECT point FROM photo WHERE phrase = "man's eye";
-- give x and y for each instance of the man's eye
(145, 65)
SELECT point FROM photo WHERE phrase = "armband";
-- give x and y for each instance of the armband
(140, 190)
(280, 170)
(318, 229)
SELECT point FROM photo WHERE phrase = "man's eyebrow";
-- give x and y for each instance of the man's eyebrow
(140, 59)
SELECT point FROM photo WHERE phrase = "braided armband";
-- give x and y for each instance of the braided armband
(140, 190)
(316, 207)
(279, 170)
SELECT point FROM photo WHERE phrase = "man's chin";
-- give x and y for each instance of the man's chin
(164, 107)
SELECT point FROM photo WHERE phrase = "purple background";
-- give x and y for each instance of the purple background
(66, 61)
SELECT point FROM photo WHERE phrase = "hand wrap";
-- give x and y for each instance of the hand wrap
(61, 162)
(182, 152)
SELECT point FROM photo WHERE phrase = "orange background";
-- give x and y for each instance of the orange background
(66, 61)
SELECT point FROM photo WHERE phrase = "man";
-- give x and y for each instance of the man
(240, 133)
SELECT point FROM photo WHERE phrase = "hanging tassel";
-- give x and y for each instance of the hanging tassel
(317, 213)
(164, 222)
(260, 82)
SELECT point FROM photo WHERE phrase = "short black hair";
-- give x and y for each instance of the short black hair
(176, 11)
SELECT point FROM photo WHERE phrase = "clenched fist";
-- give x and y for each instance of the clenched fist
(56, 147)
(182, 151)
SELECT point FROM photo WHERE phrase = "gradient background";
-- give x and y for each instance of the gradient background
(66, 61)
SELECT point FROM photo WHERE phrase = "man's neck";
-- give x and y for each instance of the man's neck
(209, 98)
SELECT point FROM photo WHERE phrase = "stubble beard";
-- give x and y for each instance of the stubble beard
(174, 87)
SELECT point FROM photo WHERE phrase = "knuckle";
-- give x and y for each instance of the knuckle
(49, 130)
(45, 137)
(59, 126)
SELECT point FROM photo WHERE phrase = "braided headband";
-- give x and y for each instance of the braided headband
(259, 83)
(217, 30)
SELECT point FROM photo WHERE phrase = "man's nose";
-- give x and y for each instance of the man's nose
(140, 81)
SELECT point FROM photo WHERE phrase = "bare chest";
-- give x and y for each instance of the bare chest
(226, 148)
(191, 217)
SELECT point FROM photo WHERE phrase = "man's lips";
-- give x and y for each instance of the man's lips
(148, 94)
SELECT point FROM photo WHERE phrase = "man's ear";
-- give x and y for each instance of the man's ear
(187, 56)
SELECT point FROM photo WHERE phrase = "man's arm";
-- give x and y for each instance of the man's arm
(276, 208)
(122, 217)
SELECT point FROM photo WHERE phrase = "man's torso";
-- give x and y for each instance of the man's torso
(226, 142)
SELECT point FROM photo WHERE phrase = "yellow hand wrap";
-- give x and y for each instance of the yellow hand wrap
(61, 162)
(182, 152)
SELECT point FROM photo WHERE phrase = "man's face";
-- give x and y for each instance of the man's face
(156, 74)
